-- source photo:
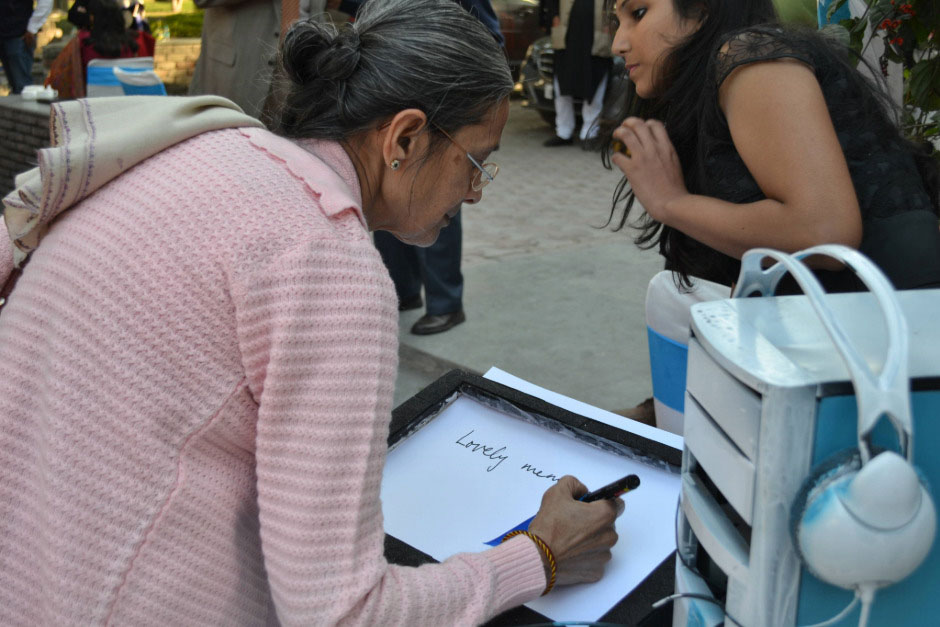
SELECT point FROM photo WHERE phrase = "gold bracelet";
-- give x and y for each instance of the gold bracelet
(544, 548)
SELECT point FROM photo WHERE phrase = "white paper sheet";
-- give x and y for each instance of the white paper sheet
(444, 494)
(595, 413)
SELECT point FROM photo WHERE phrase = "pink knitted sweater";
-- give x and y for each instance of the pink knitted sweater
(196, 376)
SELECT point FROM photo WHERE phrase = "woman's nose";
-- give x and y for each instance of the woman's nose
(621, 44)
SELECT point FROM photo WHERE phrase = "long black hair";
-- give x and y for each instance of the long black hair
(109, 32)
(682, 85)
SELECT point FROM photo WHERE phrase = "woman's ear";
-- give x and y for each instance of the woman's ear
(405, 136)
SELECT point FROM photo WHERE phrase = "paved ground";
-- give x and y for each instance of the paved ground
(549, 296)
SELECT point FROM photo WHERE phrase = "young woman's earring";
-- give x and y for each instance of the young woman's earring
(394, 164)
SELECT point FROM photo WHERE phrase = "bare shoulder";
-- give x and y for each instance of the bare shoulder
(783, 79)
(763, 54)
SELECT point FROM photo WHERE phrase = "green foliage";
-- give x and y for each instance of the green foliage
(187, 23)
(155, 8)
(178, 25)
(910, 30)
(65, 26)
(796, 11)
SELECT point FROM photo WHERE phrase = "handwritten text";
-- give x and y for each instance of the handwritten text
(487, 451)
(538, 473)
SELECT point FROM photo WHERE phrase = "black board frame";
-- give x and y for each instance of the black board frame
(412, 414)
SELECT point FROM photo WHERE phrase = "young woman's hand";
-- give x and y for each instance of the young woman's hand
(652, 168)
(580, 535)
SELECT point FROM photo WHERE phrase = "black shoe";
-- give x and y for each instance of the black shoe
(429, 325)
(412, 302)
(558, 141)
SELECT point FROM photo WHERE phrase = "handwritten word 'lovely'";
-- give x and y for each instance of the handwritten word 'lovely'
(488, 451)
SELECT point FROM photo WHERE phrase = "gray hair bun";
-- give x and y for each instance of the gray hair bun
(315, 51)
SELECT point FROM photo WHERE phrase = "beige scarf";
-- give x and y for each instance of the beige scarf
(94, 141)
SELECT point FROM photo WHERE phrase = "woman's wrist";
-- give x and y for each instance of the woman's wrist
(669, 210)
(548, 558)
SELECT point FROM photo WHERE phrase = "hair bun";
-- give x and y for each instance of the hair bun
(341, 59)
(314, 51)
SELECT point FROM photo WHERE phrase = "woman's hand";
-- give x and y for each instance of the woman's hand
(652, 168)
(580, 535)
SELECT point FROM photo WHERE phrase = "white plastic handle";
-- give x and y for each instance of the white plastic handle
(889, 392)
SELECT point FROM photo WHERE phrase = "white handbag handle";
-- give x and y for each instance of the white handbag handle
(887, 393)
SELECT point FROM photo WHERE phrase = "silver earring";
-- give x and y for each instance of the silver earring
(395, 164)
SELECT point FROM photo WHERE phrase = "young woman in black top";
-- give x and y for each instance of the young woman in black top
(743, 134)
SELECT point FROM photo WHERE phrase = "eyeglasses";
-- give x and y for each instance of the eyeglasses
(485, 173)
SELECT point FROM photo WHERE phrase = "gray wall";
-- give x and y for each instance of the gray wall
(24, 129)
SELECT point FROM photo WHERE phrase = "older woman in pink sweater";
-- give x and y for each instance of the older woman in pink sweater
(198, 363)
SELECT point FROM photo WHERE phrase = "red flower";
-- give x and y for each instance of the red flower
(885, 25)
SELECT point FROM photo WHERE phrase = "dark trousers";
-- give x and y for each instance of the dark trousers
(437, 267)
(17, 61)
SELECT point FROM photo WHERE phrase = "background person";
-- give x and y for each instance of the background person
(108, 35)
(106, 31)
(756, 135)
(239, 43)
(19, 23)
(581, 41)
(134, 15)
(311, 9)
(199, 359)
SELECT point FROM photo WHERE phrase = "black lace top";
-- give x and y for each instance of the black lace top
(900, 228)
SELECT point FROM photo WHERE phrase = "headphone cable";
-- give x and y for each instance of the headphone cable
(701, 597)
(867, 595)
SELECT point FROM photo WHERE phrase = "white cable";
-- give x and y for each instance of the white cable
(835, 619)
(701, 597)
(867, 594)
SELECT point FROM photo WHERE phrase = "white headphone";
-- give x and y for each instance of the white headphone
(860, 521)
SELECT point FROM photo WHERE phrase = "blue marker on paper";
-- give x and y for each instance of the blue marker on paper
(609, 491)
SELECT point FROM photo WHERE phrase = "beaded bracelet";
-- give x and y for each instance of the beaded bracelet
(544, 548)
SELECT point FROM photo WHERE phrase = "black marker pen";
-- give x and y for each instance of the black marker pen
(613, 490)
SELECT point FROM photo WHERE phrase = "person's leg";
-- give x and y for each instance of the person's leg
(590, 111)
(564, 118)
(402, 264)
(443, 281)
(440, 269)
(5, 62)
(17, 64)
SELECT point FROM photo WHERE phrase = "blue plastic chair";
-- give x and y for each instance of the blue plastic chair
(139, 82)
(119, 77)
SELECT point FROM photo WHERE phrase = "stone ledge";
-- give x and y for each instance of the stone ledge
(24, 129)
